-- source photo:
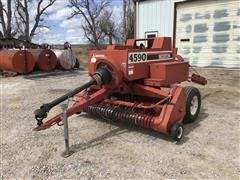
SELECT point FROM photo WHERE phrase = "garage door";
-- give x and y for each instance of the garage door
(208, 32)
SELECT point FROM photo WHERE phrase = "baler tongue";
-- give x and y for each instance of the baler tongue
(102, 76)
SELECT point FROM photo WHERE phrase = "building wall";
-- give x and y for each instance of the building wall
(221, 49)
(155, 16)
(208, 34)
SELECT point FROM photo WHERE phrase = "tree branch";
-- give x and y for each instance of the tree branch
(90, 10)
(2, 18)
(40, 12)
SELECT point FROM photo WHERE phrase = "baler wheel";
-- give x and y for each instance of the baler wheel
(193, 104)
(177, 132)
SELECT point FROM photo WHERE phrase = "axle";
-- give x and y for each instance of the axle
(102, 76)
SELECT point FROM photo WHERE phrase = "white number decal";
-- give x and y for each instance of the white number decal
(137, 57)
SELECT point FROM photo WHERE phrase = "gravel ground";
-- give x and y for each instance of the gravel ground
(209, 149)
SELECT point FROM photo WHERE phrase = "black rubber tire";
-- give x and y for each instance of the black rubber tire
(190, 93)
(177, 132)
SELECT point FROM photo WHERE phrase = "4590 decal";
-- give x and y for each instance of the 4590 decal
(137, 57)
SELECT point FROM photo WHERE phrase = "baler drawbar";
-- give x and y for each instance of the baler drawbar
(137, 83)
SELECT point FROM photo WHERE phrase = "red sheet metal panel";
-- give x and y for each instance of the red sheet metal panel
(167, 73)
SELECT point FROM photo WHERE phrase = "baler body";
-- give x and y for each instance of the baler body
(140, 73)
(144, 89)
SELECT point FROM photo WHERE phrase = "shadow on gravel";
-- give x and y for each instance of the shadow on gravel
(124, 128)
(188, 128)
(98, 140)
(45, 75)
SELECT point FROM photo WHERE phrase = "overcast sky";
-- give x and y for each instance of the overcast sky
(63, 29)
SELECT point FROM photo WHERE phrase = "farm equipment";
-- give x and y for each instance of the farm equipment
(136, 83)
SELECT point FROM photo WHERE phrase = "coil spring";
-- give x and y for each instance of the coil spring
(121, 114)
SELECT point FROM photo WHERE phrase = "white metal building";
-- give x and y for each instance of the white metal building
(207, 32)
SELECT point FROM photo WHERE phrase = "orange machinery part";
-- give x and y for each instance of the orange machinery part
(45, 59)
(20, 61)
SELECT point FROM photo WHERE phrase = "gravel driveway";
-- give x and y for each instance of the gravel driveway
(209, 149)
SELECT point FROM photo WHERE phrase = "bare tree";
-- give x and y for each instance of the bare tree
(128, 20)
(6, 19)
(108, 26)
(23, 17)
(90, 11)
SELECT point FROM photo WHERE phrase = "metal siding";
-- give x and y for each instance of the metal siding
(154, 15)
(215, 32)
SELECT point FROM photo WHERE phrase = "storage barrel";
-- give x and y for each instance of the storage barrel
(66, 58)
(14, 60)
(45, 59)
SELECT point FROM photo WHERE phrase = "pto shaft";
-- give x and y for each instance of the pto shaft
(102, 76)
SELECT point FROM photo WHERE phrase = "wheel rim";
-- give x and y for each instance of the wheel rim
(194, 105)
(179, 132)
